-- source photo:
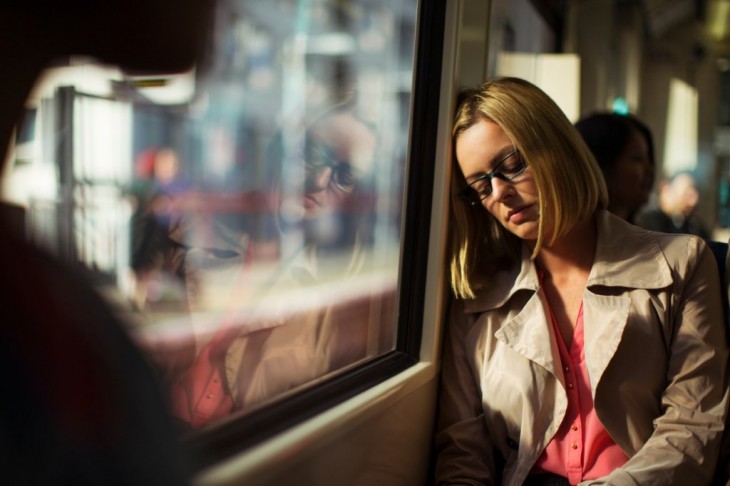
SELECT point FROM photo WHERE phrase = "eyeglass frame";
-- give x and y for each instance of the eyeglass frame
(337, 167)
(467, 194)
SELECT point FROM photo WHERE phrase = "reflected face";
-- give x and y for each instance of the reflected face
(479, 150)
(631, 178)
(339, 152)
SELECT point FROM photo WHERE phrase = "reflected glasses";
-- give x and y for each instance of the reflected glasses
(509, 167)
(319, 156)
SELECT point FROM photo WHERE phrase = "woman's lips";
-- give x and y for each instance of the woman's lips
(310, 202)
(517, 215)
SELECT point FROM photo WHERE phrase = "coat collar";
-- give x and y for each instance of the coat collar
(626, 256)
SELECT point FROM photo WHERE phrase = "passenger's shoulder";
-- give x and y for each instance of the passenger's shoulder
(679, 244)
(687, 253)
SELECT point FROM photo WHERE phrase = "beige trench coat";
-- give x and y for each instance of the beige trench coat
(656, 354)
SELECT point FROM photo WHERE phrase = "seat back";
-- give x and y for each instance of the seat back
(720, 251)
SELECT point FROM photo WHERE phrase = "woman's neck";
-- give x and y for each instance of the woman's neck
(573, 252)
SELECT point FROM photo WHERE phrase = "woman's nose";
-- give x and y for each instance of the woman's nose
(321, 178)
(500, 189)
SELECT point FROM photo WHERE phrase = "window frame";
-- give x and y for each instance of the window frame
(221, 441)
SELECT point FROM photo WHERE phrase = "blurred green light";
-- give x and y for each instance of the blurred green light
(620, 106)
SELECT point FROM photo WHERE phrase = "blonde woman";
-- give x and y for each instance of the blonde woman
(580, 349)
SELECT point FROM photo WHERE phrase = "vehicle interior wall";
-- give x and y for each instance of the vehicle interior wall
(685, 54)
(381, 437)
(639, 52)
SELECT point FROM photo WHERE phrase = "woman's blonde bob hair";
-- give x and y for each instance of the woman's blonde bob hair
(569, 182)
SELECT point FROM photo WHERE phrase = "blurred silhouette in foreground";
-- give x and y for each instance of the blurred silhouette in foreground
(81, 404)
(675, 210)
(623, 148)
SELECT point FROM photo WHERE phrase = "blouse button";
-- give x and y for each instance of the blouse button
(573, 446)
(570, 385)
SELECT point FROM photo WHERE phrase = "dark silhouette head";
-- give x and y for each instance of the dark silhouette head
(623, 148)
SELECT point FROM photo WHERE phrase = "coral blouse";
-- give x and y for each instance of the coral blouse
(582, 448)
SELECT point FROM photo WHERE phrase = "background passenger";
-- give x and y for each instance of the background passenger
(623, 148)
(81, 405)
(155, 194)
(675, 209)
(580, 348)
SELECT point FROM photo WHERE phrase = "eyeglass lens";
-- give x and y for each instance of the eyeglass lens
(320, 156)
(506, 169)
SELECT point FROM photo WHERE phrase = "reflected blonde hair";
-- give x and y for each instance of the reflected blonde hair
(569, 182)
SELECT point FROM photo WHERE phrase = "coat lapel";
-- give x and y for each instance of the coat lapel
(627, 257)
(604, 321)
(529, 334)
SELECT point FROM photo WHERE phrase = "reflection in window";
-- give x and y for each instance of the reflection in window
(250, 226)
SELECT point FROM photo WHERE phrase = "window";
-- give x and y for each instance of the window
(247, 217)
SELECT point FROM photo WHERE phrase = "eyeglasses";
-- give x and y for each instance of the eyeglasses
(509, 167)
(319, 156)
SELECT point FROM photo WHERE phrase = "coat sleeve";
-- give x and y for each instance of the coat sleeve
(684, 446)
(464, 453)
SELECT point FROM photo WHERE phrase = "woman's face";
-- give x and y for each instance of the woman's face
(479, 150)
(342, 153)
(631, 178)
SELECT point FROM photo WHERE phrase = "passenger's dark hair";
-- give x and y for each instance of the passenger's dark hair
(606, 134)
(644, 129)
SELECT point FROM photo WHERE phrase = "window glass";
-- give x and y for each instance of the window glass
(244, 217)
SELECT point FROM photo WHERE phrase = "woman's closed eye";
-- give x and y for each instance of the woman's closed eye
(512, 166)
